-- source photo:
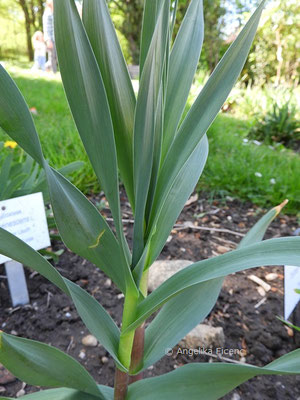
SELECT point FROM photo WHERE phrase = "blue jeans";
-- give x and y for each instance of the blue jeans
(40, 62)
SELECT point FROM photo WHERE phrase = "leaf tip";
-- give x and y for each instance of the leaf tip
(280, 206)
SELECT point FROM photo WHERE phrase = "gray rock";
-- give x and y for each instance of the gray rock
(162, 270)
(204, 336)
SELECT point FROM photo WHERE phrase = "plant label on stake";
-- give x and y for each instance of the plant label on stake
(25, 218)
(291, 282)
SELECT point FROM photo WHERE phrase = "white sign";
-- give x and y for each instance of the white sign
(291, 282)
(25, 218)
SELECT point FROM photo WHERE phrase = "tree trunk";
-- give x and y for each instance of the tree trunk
(24, 7)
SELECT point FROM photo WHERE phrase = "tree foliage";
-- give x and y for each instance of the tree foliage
(275, 53)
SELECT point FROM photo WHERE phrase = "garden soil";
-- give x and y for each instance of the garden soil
(247, 314)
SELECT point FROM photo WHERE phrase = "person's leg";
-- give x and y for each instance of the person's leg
(54, 59)
(43, 63)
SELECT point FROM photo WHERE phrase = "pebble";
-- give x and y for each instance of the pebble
(107, 283)
(222, 249)
(68, 315)
(104, 360)
(82, 355)
(14, 333)
(89, 341)
(2, 389)
(271, 276)
(261, 291)
(20, 393)
(236, 396)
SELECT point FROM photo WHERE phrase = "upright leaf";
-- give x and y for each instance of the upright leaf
(145, 124)
(116, 79)
(187, 46)
(87, 98)
(151, 12)
(205, 108)
(15, 119)
(81, 226)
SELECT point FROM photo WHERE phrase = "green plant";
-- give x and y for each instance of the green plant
(160, 163)
(24, 176)
(279, 125)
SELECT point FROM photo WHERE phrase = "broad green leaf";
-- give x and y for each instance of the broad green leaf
(84, 230)
(209, 381)
(205, 108)
(166, 216)
(145, 123)
(41, 365)
(88, 102)
(177, 318)
(151, 12)
(269, 252)
(13, 247)
(57, 394)
(183, 312)
(15, 118)
(180, 191)
(116, 79)
(80, 224)
(187, 46)
(66, 394)
(97, 320)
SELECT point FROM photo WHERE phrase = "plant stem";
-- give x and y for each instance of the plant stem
(139, 338)
(121, 383)
(125, 345)
(137, 353)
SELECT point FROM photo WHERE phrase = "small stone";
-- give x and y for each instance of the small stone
(104, 360)
(204, 336)
(243, 359)
(120, 296)
(236, 396)
(68, 315)
(107, 283)
(2, 389)
(82, 355)
(20, 393)
(163, 269)
(222, 249)
(6, 376)
(271, 276)
(13, 332)
(89, 341)
(261, 291)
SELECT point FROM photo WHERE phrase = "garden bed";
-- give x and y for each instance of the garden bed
(247, 316)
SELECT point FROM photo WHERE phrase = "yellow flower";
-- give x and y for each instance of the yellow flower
(11, 144)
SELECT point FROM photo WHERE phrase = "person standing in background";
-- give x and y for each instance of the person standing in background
(39, 51)
(48, 27)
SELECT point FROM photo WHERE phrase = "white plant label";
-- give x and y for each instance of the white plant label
(291, 282)
(25, 218)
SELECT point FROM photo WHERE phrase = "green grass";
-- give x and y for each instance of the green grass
(60, 141)
(231, 168)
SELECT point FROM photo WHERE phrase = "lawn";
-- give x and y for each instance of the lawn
(235, 167)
